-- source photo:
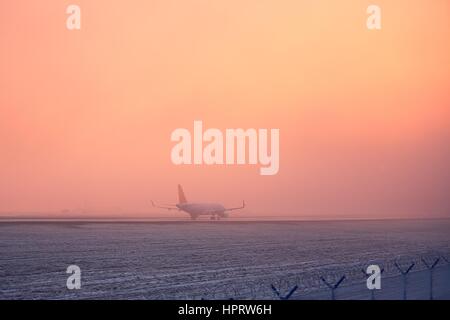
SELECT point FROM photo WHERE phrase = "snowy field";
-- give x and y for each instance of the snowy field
(221, 260)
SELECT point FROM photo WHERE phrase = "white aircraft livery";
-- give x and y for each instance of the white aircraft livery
(215, 210)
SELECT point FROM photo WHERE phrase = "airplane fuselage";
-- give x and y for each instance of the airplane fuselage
(198, 209)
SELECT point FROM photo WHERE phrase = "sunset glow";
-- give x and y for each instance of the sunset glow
(86, 116)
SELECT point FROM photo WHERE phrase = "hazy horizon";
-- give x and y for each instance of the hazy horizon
(55, 216)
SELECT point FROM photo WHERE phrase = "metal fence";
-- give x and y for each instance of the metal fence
(405, 278)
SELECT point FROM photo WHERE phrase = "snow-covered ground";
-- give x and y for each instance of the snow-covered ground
(221, 260)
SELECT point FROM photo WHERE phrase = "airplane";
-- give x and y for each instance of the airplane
(215, 210)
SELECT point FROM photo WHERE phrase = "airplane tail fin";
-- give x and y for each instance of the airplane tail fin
(181, 196)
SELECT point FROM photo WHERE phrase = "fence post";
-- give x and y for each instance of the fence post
(285, 297)
(446, 261)
(431, 268)
(404, 274)
(333, 287)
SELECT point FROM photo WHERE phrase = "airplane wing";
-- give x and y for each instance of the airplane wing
(237, 208)
(168, 207)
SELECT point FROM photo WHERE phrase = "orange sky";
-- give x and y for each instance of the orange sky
(86, 116)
